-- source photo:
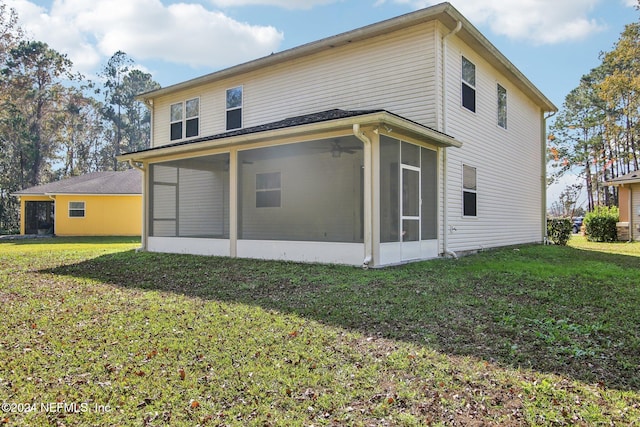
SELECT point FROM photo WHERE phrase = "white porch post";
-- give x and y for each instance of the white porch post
(233, 203)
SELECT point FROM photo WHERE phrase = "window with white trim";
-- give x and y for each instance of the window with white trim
(234, 108)
(268, 190)
(76, 210)
(185, 119)
(469, 191)
(502, 106)
(468, 85)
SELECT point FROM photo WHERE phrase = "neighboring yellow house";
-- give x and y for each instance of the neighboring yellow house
(629, 204)
(95, 204)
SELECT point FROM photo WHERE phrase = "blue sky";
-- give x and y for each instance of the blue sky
(553, 42)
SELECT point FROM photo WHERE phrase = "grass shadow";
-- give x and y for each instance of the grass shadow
(553, 309)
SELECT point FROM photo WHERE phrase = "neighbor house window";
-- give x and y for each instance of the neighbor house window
(185, 119)
(502, 107)
(234, 108)
(469, 191)
(268, 190)
(468, 85)
(76, 209)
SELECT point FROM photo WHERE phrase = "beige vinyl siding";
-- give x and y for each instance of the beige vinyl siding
(395, 72)
(509, 182)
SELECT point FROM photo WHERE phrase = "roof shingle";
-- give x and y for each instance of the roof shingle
(109, 182)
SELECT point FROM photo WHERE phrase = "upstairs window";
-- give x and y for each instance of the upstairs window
(468, 85)
(469, 191)
(502, 107)
(185, 119)
(234, 108)
(176, 121)
(193, 117)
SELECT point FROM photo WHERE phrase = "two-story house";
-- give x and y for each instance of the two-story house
(408, 139)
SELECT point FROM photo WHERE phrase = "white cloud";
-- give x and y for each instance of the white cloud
(90, 31)
(631, 3)
(536, 21)
(285, 4)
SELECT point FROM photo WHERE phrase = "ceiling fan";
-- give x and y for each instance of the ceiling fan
(336, 149)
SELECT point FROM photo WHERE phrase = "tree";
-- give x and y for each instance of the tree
(130, 118)
(620, 89)
(79, 132)
(10, 36)
(138, 115)
(34, 92)
(597, 130)
(113, 73)
(577, 133)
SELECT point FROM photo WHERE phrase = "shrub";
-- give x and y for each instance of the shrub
(559, 230)
(600, 224)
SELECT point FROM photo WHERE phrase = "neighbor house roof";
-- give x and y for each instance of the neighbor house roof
(444, 13)
(630, 178)
(308, 123)
(95, 183)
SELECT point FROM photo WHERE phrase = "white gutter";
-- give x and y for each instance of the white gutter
(378, 118)
(133, 164)
(445, 216)
(545, 237)
(368, 199)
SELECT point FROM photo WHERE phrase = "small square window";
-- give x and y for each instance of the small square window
(268, 190)
(76, 210)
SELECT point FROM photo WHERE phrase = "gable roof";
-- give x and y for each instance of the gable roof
(95, 183)
(443, 12)
(330, 119)
(630, 178)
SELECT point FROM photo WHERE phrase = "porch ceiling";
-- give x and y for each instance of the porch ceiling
(302, 126)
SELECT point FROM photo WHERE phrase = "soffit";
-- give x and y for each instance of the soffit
(300, 128)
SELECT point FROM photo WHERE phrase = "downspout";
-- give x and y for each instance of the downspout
(545, 237)
(368, 208)
(445, 216)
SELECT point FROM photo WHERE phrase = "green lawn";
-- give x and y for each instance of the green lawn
(536, 335)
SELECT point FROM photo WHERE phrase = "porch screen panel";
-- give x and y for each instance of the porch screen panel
(202, 211)
(315, 192)
(163, 209)
(163, 201)
(190, 197)
(389, 189)
(429, 171)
